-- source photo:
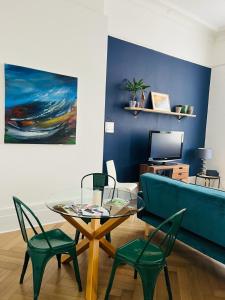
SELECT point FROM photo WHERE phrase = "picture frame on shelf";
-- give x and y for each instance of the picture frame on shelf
(160, 101)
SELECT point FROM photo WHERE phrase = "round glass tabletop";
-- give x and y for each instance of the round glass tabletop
(96, 204)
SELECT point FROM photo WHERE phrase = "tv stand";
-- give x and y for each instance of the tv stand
(173, 170)
(164, 163)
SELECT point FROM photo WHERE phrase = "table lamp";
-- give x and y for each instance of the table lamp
(204, 154)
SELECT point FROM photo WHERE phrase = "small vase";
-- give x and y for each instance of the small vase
(190, 109)
(132, 103)
(142, 103)
(184, 109)
(138, 104)
(178, 108)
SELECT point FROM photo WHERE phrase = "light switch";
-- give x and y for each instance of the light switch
(109, 127)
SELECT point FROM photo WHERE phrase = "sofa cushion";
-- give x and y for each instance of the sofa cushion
(205, 214)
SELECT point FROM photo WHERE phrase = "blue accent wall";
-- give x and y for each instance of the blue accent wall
(185, 82)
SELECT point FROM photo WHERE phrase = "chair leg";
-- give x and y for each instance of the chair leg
(76, 269)
(167, 278)
(25, 264)
(39, 262)
(114, 267)
(108, 237)
(148, 278)
(58, 256)
(77, 236)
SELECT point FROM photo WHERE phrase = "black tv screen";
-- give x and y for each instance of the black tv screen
(166, 145)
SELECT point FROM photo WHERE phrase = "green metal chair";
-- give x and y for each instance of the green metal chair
(147, 258)
(99, 182)
(43, 246)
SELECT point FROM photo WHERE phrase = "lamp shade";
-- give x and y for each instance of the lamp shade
(204, 153)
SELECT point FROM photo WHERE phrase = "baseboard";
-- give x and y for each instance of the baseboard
(9, 221)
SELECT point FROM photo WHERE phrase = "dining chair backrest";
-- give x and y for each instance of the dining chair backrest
(171, 225)
(99, 180)
(111, 170)
(22, 211)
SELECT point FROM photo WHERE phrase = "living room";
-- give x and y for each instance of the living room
(177, 48)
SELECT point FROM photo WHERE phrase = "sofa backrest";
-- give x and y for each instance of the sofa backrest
(205, 215)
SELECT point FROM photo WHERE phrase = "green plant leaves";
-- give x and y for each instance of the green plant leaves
(135, 86)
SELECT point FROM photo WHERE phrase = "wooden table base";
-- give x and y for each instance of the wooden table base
(94, 240)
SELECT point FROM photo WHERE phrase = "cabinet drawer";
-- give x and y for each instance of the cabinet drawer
(181, 169)
(180, 175)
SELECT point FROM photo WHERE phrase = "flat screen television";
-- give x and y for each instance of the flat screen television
(165, 145)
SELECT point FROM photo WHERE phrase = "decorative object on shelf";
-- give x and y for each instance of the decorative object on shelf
(178, 108)
(204, 154)
(160, 101)
(136, 110)
(40, 107)
(184, 109)
(138, 104)
(142, 99)
(190, 109)
(133, 87)
(132, 103)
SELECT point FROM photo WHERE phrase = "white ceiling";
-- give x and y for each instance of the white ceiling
(208, 12)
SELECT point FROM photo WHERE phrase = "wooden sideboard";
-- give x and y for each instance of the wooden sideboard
(176, 171)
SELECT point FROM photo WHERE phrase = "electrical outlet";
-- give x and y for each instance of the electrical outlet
(109, 127)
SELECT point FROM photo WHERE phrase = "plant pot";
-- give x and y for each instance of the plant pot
(184, 109)
(132, 103)
(190, 109)
(178, 108)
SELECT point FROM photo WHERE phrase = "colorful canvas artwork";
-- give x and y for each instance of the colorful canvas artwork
(40, 107)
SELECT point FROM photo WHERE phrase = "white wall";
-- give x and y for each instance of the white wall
(219, 49)
(66, 38)
(96, 5)
(153, 25)
(215, 137)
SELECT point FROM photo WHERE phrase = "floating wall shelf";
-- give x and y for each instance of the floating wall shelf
(137, 110)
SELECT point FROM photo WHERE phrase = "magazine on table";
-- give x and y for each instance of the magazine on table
(88, 209)
(118, 202)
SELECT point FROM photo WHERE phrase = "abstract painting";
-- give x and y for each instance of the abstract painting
(40, 107)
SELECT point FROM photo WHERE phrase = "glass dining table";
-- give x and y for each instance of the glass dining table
(95, 213)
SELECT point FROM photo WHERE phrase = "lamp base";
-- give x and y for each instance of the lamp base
(203, 168)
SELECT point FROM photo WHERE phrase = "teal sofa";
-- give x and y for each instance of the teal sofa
(203, 226)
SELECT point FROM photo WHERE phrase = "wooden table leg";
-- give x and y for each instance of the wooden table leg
(93, 259)
(81, 247)
(80, 225)
(107, 247)
(95, 238)
(108, 226)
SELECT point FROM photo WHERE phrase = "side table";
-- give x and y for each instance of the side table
(207, 179)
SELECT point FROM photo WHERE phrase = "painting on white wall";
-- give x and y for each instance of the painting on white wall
(40, 107)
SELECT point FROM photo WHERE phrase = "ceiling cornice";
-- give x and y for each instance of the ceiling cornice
(189, 15)
(179, 16)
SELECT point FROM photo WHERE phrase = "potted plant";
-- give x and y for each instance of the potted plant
(133, 87)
